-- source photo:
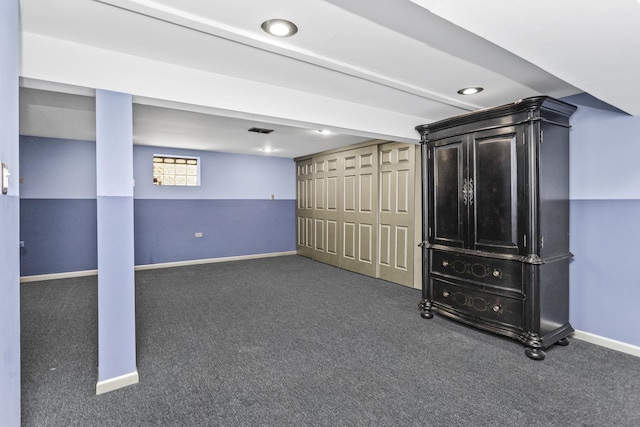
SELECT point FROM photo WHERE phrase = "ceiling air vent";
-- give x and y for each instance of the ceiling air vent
(260, 130)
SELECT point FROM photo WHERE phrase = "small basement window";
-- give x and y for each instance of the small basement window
(173, 170)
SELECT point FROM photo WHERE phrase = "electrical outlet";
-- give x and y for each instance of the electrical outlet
(22, 243)
(198, 234)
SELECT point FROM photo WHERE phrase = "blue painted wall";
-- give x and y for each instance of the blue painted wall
(58, 206)
(9, 218)
(54, 168)
(59, 234)
(231, 207)
(605, 286)
(165, 229)
(605, 210)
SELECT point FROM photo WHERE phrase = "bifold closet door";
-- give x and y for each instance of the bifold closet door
(359, 210)
(326, 212)
(397, 213)
(304, 207)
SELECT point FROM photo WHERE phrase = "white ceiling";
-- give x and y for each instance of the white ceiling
(202, 72)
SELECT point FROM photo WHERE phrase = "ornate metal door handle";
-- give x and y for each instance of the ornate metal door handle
(465, 189)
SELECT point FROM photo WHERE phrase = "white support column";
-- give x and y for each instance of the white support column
(116, 282)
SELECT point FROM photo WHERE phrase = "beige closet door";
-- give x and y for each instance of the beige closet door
(326, 213)
(359, 210)
(304, 207)
(397, 213)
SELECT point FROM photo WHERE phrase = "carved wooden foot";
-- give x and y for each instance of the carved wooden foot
(563, 342)
(534, 347)
(425, 309)
(535, 353)
(426, 314)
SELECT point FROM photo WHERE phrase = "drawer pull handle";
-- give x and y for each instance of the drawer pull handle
(445, 263)
(497, 308)
(497, 273)
(445, 294)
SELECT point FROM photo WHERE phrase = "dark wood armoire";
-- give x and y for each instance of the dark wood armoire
(496, 221)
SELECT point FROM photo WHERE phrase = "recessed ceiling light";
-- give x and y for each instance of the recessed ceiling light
(324, 131)
(279, 27)
(267, 149)
(471, 90)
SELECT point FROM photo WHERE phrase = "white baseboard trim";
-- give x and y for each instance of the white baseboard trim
(117, 382)
(41, 277)
(212, 260)
(608, 343)
(53, 276)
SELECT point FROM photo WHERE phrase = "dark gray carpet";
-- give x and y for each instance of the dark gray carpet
(292, 342)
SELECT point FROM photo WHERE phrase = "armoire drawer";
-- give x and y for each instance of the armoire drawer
(489, 271)
(475, 302)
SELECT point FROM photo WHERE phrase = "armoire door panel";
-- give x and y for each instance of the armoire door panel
(495, 192)
(449, 194)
